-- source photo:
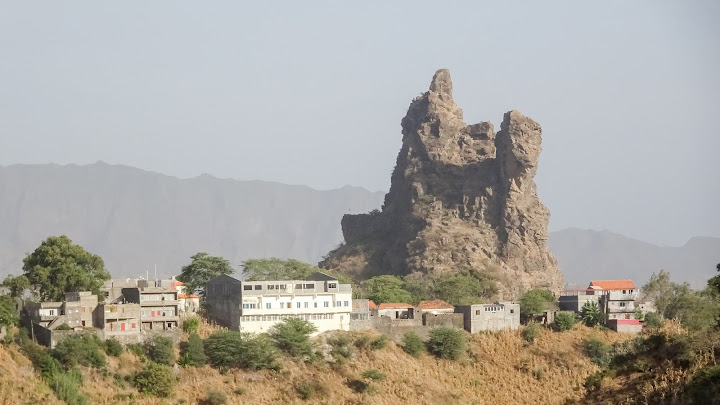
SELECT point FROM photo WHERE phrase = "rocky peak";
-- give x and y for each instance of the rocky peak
(461, 196)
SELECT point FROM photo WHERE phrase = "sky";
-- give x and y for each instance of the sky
(627, 93)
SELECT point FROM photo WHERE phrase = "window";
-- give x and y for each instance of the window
(282, 305)
(282, 286)
(298, 304)
(298, 286)
(306, 305)
(624, 291)
(315, 304)
(310, 286)
(512, 311)
(326, 304)
(332, 285)
(347, 303)
(271, 287)
(268, 305)
(247, 287)
(622, 304)
(258, 287)
(477, 312)
(133, 326)
(337, 303)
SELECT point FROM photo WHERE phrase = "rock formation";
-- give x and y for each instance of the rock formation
(461, 197)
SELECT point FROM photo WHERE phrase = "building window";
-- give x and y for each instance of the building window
(282, 305)
(347, 303)
(133, 326)
(337, 303)
(332, 285)
(622, 304)
(247, 287)
(315, 304)
(271, 287)
(282, 286)
(306, 305)
(298, 286)
(310, 286)
(258, 287)
(298, 305)
(326, 304)
(512, 311)
(268, 305)
(477, 312)
(624, 292)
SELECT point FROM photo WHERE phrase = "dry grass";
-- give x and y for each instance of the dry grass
(18, 382)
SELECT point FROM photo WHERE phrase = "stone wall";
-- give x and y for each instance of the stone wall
(445, 320)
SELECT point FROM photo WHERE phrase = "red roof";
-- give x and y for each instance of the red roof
(187, 296)
(371, 304)
(395, 305)
(613, 284)
(178, 283)
(435, 304)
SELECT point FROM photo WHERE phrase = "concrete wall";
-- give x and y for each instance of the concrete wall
(491, 317)
(453, 320)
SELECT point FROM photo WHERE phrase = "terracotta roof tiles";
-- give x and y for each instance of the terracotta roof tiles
(613, 284)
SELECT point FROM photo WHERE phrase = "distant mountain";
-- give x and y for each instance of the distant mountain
(586, 254)
(135, 219)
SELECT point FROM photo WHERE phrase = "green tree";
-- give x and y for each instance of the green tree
(155, 379)
(194, 354)
(84, 350)
(466, 287)
(386, 289)
(591, 315)
(190, 325)
(8, 313)
(413, 344)
(229, 349)
(653, 320)
(161, 350)
(565, 320)
(113, 347)
(534, 302)
(714, 282)
(659, 289)
(202, 269)
(58, 266)
(446, 343)
(292, 336)
(278, 269)
(16, 284)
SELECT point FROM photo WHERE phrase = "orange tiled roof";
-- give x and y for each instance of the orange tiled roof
(395, 305)
(187, 296)
(179, 283)
(371, 304)
(613, 284)
(435, 304)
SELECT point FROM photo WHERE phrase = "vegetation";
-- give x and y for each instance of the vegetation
(190, 325)
(342, 348)
(379, 343)
(277, 269)
(227, 349)
(8, 314)
(58, 266)
(466, 287)
(215, 397)
(113, 347)
(65, 384)
(531, 331)
(597, 350)
(161, 350)
(653, 320)
(591, 315)
(534, 302)
(374, 375)
(156, 379)
(80, 350)
(292, 336)
(446, 343)
(564, 320)
(16, 285)
(203, 268)
(386, 288)
(413, 344)
(194, 353)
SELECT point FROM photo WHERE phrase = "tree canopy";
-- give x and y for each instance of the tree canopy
(8, 313)
(534, 301)
(16, 284)
(278, 269)
(386, 289)
(58, 266)
(202, 269)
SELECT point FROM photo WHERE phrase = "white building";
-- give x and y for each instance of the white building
(256, 306)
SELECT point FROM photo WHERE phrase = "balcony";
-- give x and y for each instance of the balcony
(160, 303)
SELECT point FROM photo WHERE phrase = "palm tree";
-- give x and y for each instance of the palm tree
(591, 314)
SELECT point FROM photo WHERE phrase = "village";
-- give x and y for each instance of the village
(135, 310)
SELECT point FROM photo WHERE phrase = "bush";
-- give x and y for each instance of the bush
(67, 387)
(565, 320)
(531, 331)
(597, 350)
(65, 384)
(137, 349)
(43, 362)
(113, 347)
(64, 327)
(594, 381)
(705, 385)
(379, 343)
(374, 375)
(190, 325)
(161, 350)
(155, 379)
(446, 343)
(305, 390)
(591, 314)
(413, 344)
(653, 320)
(228, 349)
(292, 336)
(194, 354)
(216, 398)
(239, 391)
(83, 350)
(341, 347)
(358, 386)
(363, 342)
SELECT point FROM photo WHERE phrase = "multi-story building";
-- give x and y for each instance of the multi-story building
(159, 306)
(492, 317)
(256, 306)
(75, 312)
(618, 299)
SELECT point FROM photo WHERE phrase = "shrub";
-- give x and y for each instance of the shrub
(564, 320)
(161, 350)
(67, 387)
(591, 314)
(239, 391)
(363, 342)
(653, 320)
(705, 385)
(305, 390)
(137, 349)
(538, 373)
(43, 362)
(113, 347)
(374, 375)
(228, 349)
(358, 386)
(190, 325)
(597, 350)
(81, 350)
(446, 343)
(194, 354)
(215, 397)
(292, 336)
(413, 344)
(531, 331)
(64, 327)
(155, 379)
(341, 347)
(379, 343)
(594, 381)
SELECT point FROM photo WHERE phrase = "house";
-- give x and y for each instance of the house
(76, 311)
(360, 315)
(490, 317)
(159, 306)
(618, 299)
(574, 300)
(256, 306)
(396, 310)
(436, 307)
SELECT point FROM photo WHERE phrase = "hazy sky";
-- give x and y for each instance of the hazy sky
(628, 94)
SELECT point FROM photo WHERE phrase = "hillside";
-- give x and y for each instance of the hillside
(501, 368)
(587, 254)
(134, 219)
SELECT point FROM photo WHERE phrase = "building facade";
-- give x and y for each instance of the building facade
(256, 306)
(490, 317)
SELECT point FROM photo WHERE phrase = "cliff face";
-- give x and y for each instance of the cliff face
(462, 196)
